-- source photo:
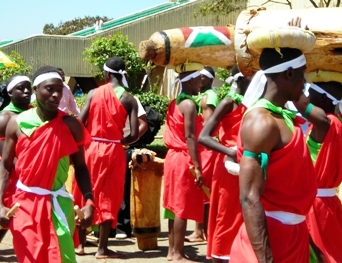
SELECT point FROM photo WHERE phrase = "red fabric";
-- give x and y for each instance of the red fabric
(225, 216)
(325, 217)
(290, 188)
(106, 161)
(34, 236)
(181, 195)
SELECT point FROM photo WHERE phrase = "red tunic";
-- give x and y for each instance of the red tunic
(225, 216)
(290, 187)
(181, 195)
(325, 217)
(106, 161)
(34, 234)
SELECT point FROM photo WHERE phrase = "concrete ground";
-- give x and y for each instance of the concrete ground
(127, 247)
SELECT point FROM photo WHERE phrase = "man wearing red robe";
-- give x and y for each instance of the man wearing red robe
(104, 115)
(324, 140)
(43, 140)
(275, 194)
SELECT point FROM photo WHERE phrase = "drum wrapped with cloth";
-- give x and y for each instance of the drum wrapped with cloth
(208, 45)
(147, 171)
(326, 54)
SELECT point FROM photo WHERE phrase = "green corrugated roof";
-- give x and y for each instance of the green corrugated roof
(129, 18)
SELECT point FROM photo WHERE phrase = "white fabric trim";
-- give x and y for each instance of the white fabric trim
(207, 73)
(16, 81)
(322, 91)
(232, 80)
(220, 257)
(122, 72)
(187, 78)
(286, 218)
(232, 167)
(45, 76)
(257, 85)
(98, 139)
(41, 191)
(326, 192)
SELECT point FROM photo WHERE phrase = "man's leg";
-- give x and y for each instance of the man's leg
(124, 217)
(170, 252)
(2, 234)
(103, 251)
(179, 229)
(82, 238)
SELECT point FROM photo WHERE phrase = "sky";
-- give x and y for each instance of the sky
(24, 18)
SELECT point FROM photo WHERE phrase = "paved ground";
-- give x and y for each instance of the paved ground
(128, 248)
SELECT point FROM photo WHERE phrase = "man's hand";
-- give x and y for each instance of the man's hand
(4, 220)
(88, 211)
(297, 22)
(199, 178)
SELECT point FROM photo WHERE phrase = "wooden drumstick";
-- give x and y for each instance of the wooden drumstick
(80, 215)
(11, 212)
(204, 188)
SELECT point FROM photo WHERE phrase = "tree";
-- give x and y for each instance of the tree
(219, 8)
(116, 45)
(22, 67)
(77, 24)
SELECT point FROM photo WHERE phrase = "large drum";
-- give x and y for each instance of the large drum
(327, 54)
(208, 45)
(145, 203)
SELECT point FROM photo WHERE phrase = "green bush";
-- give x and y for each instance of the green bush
(22, 67)
(103, 48)
(222, 74)
(155, 101)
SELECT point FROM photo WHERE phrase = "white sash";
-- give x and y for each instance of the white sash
(41, 191)
(98, 139)
(286, 217)
(326, 192)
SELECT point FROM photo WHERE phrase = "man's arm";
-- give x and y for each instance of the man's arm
(259, 133)
(85, 110)
(205, 138)
(6, 165)
(188, 109)
(317, 116)
(81, 171)
(4, 119)
(131, 106)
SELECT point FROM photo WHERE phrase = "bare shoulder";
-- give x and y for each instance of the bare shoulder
(75, 127)
(260, 131)
(186, 105)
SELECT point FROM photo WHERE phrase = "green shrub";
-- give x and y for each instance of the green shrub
(118, 45)
(222, 74)
(155, 101)
(22, 68)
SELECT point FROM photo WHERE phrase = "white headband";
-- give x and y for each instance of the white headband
(207, 73)
(187, 78)
(16, 81)
(257, 85)
(45, 76)
(122, 72)
(322, 91)
(232, 80)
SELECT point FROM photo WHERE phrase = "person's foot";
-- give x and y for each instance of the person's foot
(184, 259)
(195, 237)
(121, 236)
(106, 254)
(79, 251)
(169, 256)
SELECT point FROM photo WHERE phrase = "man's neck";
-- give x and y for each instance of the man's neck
(45, 115)
(22, 107)
(204, 89)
